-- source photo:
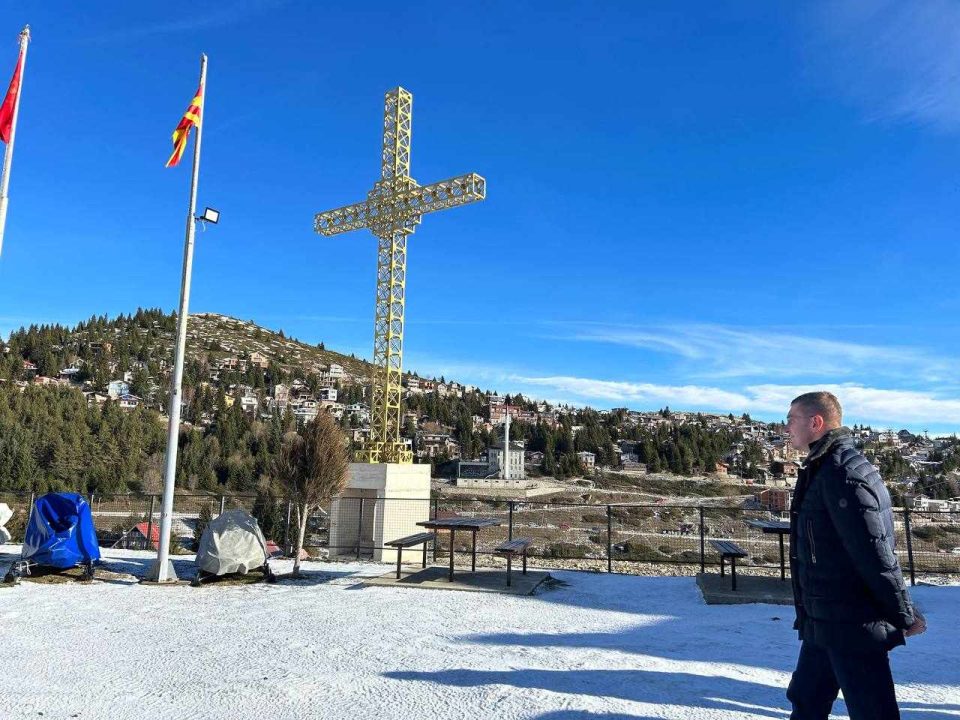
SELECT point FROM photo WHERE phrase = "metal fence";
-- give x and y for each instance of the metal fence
(129, 520)
(615, 537)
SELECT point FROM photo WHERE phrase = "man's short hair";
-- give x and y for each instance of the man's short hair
(821, 403)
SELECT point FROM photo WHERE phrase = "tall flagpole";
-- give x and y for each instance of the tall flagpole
(8, 155)
(163, 570)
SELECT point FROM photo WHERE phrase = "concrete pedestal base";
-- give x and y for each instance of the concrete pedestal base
(382, 502)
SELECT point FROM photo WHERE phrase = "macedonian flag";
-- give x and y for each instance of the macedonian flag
(191, 118)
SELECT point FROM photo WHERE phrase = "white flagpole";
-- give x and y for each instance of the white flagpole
(163, 570)
(8, 155)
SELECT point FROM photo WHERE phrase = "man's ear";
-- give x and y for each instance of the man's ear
(818, 423)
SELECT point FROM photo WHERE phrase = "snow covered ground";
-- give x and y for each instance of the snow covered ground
(598, 646)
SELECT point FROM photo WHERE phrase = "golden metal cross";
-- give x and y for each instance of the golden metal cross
(392, 210)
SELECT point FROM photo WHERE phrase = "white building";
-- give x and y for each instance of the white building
(128, 402)
(305, 410)
(588, 460)
(117, 388)
(495, 461)
(926, 504)
(281, 396)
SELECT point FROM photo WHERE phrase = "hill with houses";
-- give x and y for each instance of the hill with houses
(244, 385)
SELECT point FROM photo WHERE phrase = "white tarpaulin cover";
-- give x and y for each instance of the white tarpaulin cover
(5, 514)
(232, 543)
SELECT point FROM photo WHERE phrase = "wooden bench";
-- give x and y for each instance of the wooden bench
(729, 549)
(510, 548)
(409, 541)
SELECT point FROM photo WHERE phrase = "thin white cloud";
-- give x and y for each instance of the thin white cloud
(877, 405)
(723, 352)
(862, 404)
(896, 60)
(643, 394)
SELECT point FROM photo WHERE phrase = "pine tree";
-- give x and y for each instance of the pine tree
(202, 522)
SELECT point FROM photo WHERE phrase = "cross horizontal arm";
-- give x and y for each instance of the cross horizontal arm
(402, 208)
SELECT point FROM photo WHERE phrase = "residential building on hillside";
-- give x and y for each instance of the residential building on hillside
(588, 460)
(431, 445)
(280, 399)
(129, 402)
(249, 404)
(116, 388)
(775, 499)
(304, 410)
(516, 470)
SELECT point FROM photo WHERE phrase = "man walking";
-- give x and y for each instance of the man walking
(851, 600)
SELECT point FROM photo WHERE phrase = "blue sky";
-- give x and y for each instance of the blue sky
(708, 206)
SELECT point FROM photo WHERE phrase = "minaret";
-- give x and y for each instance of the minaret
(506, 446)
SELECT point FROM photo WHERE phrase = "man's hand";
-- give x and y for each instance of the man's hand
(919, 625)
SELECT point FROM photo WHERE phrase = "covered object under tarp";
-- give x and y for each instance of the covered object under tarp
(60, 532)
(232, 543)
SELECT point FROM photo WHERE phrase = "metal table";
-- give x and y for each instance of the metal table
(778, 528)
(461, 523)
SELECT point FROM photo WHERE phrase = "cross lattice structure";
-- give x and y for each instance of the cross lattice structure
(392, 211)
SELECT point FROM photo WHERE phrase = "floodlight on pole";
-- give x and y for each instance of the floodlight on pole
(209, 216)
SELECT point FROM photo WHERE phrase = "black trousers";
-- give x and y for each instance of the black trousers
(864, 678)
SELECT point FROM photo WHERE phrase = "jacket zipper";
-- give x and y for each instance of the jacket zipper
(813, 548)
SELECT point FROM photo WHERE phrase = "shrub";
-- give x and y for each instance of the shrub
(639, 551)
(567, 550)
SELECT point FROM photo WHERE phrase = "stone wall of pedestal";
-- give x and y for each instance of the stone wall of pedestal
(392, 499)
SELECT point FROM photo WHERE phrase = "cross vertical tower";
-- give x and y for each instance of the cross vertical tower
(392, 210)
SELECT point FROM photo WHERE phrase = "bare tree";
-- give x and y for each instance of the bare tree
(312, 466)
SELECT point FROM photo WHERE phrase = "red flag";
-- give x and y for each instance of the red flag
(190, 119)
(10, 103)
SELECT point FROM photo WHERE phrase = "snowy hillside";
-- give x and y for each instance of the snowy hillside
(593, 646)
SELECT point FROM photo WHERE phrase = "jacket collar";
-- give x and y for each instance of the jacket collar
(820, 448)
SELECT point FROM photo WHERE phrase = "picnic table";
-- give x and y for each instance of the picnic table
(473, 524)
(778, 528)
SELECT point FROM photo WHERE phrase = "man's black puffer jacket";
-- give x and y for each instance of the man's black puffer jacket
(847, 585)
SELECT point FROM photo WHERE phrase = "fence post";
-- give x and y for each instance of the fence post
(222, 504)
(359, 527)
(510, 522)
(609, 540)
(703, 567)
(906, 523)
(153, 499)
(287, 550)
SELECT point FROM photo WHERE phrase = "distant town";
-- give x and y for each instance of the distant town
(261, 378)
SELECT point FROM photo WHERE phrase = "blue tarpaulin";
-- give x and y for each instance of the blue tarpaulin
(60, 532)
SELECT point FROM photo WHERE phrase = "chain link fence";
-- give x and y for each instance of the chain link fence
(615, 537)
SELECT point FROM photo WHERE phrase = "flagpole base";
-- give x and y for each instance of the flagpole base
(154, 574)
